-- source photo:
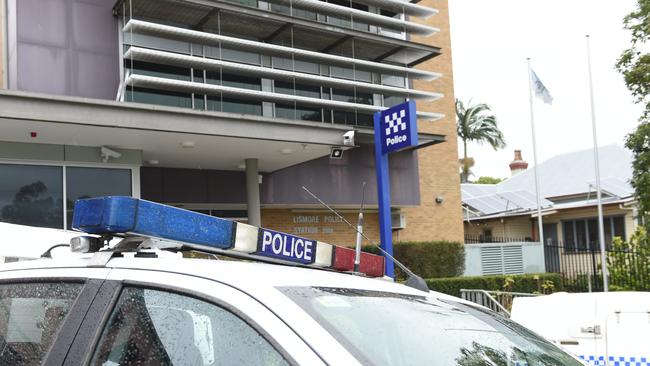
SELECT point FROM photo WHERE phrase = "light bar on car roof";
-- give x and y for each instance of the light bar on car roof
(127, 215)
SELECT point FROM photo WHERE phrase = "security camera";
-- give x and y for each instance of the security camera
(107, 153)
(348, 138)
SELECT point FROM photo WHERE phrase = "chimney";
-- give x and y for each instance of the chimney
(518, 165)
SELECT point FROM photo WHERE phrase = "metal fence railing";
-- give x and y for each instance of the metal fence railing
(581, 267)
(483, 239)
(498, 301)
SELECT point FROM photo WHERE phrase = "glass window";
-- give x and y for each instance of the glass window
(158, 43)
(351, 97)
(302, 90)
(581, 235)
(392, 100)
(160, 97)
(569, 239)
(619, 226)
(31, 195)
(30, 317)
(231, 105)
(298, 112)
(613, 226)
(233, 55)
(352, 118)
(345, 22)
(235, 81)
(252, 3)
(348, 73)
(592, 225)
(299, 13)
(161, 71)
(382, 328)
(150, 327)
(95, 182)
(296, 65)
(392, 80)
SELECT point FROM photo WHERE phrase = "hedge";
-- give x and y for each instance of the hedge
(428, 259)
(528, 283)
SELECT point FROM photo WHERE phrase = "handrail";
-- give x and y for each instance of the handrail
(490, 300)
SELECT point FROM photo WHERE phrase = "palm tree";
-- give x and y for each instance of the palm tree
(476, 124)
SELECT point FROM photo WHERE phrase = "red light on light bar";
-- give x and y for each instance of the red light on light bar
(371, 264)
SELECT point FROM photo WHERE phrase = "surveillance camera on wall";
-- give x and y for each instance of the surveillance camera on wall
(107, 153)
(348, 138)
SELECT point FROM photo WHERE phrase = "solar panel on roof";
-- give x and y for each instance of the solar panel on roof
(505, 202)
(523, 199)
(614, 186)
(487, 204)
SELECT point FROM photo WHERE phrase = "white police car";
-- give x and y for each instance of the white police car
(134, 305)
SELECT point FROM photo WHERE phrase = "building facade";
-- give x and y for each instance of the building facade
(227, 107)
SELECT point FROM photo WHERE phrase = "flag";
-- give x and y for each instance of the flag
(540, 90)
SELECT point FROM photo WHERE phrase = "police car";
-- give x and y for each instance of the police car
(129, 297)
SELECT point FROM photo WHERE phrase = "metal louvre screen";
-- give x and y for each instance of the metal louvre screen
(502, 260)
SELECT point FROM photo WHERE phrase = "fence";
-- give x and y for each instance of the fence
(581, 268)
(483, 239)
(498, 301)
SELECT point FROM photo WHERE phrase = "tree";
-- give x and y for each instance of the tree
(475, 123)
(634, 64)
(488, 180)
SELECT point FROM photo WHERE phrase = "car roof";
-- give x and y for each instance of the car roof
(244, 275)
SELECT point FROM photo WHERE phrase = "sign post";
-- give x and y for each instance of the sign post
(395, 129)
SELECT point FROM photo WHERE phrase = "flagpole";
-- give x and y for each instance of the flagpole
(540, 225)
(601, 229)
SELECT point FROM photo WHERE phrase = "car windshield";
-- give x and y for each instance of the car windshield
(381, 328)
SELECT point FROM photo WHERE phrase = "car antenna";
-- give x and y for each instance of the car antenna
(412, 279)
(357, 249)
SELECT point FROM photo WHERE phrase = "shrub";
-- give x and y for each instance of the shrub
(528, 283)
(428, 259)
(628, 263)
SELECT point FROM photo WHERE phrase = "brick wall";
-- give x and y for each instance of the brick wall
(438, 164)
(321, 225)
(439, 174)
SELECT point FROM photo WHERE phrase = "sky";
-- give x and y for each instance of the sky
(491, 40)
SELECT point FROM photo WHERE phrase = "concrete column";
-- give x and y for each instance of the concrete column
(253, 193)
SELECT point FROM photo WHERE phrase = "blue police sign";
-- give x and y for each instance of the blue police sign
(398, 127)
(395, 129)
(284, 246)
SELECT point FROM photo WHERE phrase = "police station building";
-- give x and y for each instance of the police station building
(229, 108)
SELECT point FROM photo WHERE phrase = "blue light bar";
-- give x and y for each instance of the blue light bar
(121, 215)
(132, 216)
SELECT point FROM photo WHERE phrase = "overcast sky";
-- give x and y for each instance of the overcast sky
(491, 40)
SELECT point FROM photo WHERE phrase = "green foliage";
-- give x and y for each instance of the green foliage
(528, 283)
(639, 143)
(488, 180)
(628, 263)
(428, 259)
(475, 123)
(634, 64)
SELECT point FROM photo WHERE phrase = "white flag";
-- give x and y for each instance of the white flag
(540, 90)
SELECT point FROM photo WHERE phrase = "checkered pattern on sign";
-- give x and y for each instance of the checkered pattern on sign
(395, 122)
(616, 361)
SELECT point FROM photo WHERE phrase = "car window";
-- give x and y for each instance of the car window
(30, 317)
(382, 328)
(151, 327)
